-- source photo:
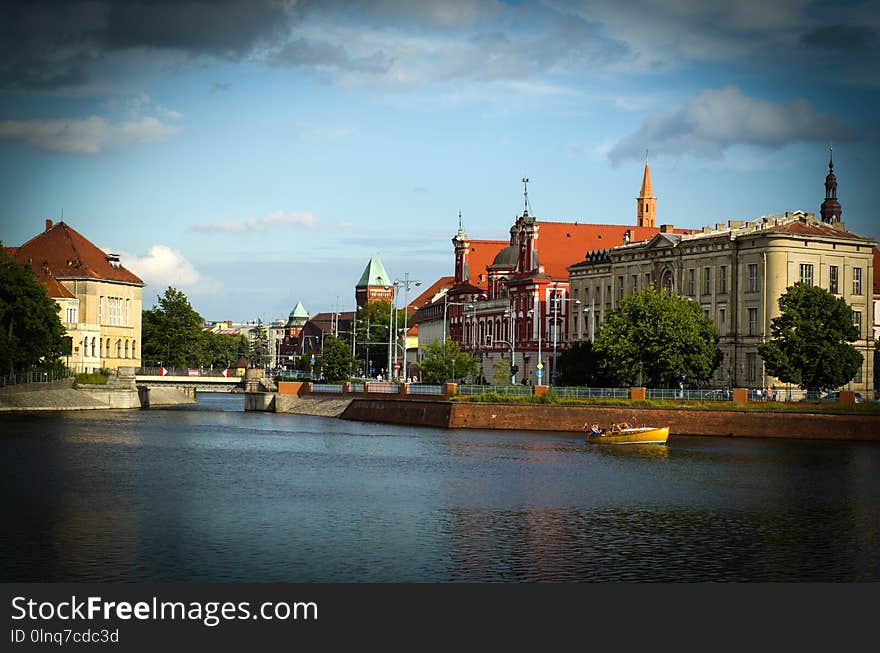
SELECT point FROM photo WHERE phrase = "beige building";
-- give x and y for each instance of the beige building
(99, 300)
(737, 272)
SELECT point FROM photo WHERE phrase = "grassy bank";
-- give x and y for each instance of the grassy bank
(775, 406)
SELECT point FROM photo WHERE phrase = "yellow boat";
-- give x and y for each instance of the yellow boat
(623, 433)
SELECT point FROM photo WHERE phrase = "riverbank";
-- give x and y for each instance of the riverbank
(722, 422)
(62, 395)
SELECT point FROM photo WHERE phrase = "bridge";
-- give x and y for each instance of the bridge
(203, 380)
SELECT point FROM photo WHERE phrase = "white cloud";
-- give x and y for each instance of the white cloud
(714, 120)
(273, 219)
(91, 135)
(162, 266)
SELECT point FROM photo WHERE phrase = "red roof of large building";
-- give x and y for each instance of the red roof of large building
(562, 244)
(62, 252)
(443, 283)
(481, 255)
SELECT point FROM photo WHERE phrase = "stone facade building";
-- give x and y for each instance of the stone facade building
(99, 300)
(737, 272)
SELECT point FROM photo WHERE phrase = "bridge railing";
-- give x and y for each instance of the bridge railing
(184, 371)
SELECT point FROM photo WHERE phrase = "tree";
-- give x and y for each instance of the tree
(440, 363)
(372, 327)
(31, 333)
(336, 361)
(655, 338)
(172, 332)
(221, 350)
(259, 350)
(810, 341)
(581, 365)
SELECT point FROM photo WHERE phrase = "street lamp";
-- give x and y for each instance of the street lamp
(406, 283)
(511, 318)
(556, 299)
(540, 365)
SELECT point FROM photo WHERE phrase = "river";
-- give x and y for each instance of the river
(209, 493)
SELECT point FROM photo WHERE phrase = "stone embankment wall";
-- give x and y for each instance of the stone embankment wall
(400, 411)
(733, 423)
(320, 406)
(54, 395)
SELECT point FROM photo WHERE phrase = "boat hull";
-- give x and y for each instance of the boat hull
(633, 436)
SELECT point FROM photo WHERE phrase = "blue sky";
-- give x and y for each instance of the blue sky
(256, 153)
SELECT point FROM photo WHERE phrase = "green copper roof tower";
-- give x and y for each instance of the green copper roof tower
(374, 285)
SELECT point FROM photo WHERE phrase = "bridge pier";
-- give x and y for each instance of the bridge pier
(256, 397)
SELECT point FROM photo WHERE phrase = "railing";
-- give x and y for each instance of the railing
(35, 377)
(328, 387)
(424, 389)
(356, 387)
(576, 392)
(384, 387)
(673, 394)
(183, 371)
(504, 390)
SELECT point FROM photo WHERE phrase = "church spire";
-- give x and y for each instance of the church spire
(646, 203)
(830, 209)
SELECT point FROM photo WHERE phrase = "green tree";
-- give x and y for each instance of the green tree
(259, 349)
(221, 350)
(172, 332)
(581, 365)
(441, 363)
(654, 338)
(810, 341)
(336, 361)
(31, 333)
(372, 327)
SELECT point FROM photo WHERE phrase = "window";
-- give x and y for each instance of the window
(71, 316)
(833, 286)
(857, 281)
(857, 321)
(806, 275)
(751, 367)
(691, 282)
(707, 281)
(753, 277)
(647, 279)
(100, 308)
(620, 287)
(635, 278)
(722, 321)
(753, 321)
(722, 281)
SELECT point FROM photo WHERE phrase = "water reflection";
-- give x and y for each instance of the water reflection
(196, 494)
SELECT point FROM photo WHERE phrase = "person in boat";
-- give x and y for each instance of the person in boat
(595, 430)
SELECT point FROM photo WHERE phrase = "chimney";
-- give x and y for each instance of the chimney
(48, 224)
(666, 228)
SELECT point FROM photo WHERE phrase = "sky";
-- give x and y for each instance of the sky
(255, 153)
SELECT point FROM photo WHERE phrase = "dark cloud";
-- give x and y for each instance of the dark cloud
(50, 44)
(841, 38)
(322, 54)
(714, 120)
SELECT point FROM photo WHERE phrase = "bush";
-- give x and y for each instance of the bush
(90, 378)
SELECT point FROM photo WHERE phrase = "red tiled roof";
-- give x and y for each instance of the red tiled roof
(561, 244)
(55, 290)
(64, 253)
(481, 255)
(428, 294)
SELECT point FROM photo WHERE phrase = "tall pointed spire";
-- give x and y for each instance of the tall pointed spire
(646, 203)
(830, 209)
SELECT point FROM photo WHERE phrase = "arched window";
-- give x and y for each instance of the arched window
(93, 347)
(126, 349)
(107, 350)
(119, 349)
(133, 350)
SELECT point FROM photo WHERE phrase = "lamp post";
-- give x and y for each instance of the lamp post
(406, 283)
(540, 365)
(511, 318)
(556, 300)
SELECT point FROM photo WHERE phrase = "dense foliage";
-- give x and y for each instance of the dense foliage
(336, 360)
(172, 333)
(581, 365)
(654, 338)
(446, 362)
(810, 340)
(371, 330)
(31, 333)
(259, 346)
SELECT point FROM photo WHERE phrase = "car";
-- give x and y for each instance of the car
(718, 395)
